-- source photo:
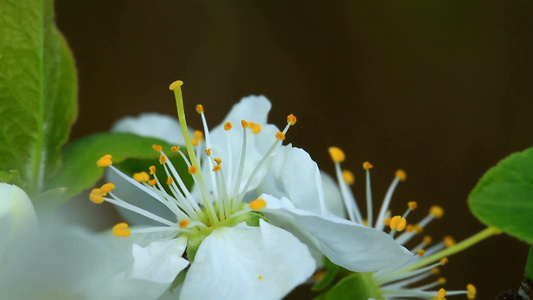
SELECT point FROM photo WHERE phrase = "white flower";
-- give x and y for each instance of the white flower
(396, 282)
(234, 253)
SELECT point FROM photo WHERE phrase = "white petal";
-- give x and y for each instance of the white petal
(332, 196)
(352, 246)
(251, 108)
(244, 262)
(160, 261)
(16, 213)
(154, 125)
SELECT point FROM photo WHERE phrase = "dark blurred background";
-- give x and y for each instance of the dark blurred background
(442, 89)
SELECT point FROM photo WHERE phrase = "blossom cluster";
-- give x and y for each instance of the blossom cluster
(257, 222)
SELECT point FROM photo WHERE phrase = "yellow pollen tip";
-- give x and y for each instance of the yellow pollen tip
(442, 280)
(107, 188)
(192, 169)
(199, 108)
(260, 277)
(244, 124)
(367, 165)
(448, 241)
(162, 159)
(152, 170)
(141, 177)
(410, 228)
(435, 271)
(258, 204)
(256, 129)
(175, 148)
(421, 252)
(96, 196)
(217, 160)
(319, 275)
(401, 175)
(427, 240)
(436, 211)
(217, 168)
(444, 261)
(365, 222)
(195, 142)
(228, 126)
(386, 221)
(471, 291)
(418, 229)
(412, 205)
(157, 148)
(175, 84)
(208, 151)
(170, 180)
(280, 136)
(291, 119)
(441, 294)
(104, 161)
(152, 181)
(348, 177)
(337, 155)
(121, 230)
(184, 223)
(198, 134)
(398, 222)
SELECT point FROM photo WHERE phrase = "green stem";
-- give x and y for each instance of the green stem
(476, 238)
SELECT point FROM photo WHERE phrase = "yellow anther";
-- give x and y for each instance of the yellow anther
(258, 204)
(175, 148)
(195, 142)
(398, 222)
(471, 291)
(228, 126)
(436, 211)
(105, 161)
(217, 168)
(442, 280)
(427, 240)
(198, 135)
(386, 221)
(418, 229)
(291, 119)
(208, 151)
(319, 275)
(337, 155)
(444, 261)
(192, 169)
(367, 165)
(348, 177)
(256, 129)
(157, 148)
(441, 294)
(412, 205)
(199, 108)
(184, 223)
(107, 188)
(121, 230)
(260, 277)
(170, 180)
(435, 271)
(162, 159)
(175, 84)
(152, 170)
(365, 222)
(421, 252)
(251, 125)
(401, 175)
(141, 176)
(96, 196)
(152, 181)
(410, 228)
(244, 124)
(448, 241)
(280, 136)
(217, 160)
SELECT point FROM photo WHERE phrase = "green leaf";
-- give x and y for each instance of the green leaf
(331, 272)
(79, 170)
(503, 197)
(357, 286)
(37, 91)
(529, 264)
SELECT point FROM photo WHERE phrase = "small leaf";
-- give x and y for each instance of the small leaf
(503, 197)
(37, 91)
(48, 200)
(357, 286)
(79, 170)
(331, 272)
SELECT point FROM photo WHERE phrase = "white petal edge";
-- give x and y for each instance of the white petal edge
(352, 246)
(245, 262)
(153, 125)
